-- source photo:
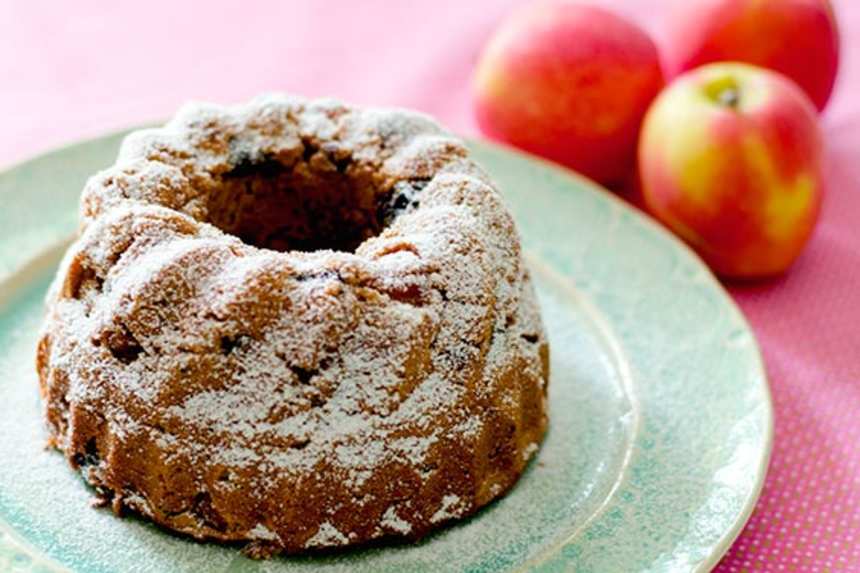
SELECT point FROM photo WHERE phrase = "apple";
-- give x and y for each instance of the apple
(730, 159)
(798, 38)
(569, 82)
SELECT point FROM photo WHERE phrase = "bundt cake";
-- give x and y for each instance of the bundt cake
(294, 324)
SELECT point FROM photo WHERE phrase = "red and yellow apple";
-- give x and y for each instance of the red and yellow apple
(730, 159)
(570, 82)
(797, 38)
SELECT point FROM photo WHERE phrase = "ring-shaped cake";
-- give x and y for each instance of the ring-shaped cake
(294, 324)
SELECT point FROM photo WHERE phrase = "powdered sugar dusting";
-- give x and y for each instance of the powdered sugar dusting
(262, 533)
(327, 536)
(412, 448)
(451, 507)
(390, 520)
(238, 457)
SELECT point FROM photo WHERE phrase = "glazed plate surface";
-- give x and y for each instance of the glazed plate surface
(660, 417)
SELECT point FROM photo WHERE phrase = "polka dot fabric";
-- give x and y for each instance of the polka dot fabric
(808, 517)
(64, 85)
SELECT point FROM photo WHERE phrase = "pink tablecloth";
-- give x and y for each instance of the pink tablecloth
(72, 69)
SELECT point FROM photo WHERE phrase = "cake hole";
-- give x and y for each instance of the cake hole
(408, 294)
(245, 166)
(89, 457)
(316, 398)
(123, 345)
(228, 344)
(308, 152)
(530, 338)
(318, 198)
(425, 470)
(303, 374)
(300, 443)
(341, 164)
(404, 198)
(84, 281)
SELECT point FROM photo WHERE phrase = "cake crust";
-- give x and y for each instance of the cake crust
(295, 325)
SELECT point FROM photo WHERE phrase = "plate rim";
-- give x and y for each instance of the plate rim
(9, 538)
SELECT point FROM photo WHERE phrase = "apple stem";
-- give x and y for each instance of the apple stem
(729, 97)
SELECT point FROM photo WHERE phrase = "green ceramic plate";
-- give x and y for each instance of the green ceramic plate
(660, 413)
